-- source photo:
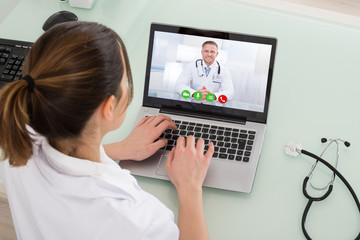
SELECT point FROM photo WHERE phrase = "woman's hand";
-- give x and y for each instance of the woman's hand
(187, 164)
(141, 142)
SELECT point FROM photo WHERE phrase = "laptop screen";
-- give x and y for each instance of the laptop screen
(209, 71)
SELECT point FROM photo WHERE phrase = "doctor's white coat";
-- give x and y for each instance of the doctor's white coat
(56, 196)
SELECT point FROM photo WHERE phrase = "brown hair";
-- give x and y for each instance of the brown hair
(76, 65)
(209, 42)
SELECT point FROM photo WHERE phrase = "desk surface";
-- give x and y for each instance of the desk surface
(314, 95)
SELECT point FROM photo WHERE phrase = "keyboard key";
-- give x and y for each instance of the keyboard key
(223, 156)
(247, 154)
(240, 152)
(246, 159)
(243, 135)
(205, 130)
(248, 148)
(222, 150)
(205, 136)
(241, 143)
(220, 138)
(234, 134)
(238, 158)
(220, 132)
(252, 132)
(251, 137)
(215, 155)
(231, 151)
(231, 157)
(212, 131)
(190, 128)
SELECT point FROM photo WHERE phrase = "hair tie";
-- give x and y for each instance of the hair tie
(30, 82)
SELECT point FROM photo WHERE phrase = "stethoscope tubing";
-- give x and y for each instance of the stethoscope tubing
(312, 199)
(196, 66)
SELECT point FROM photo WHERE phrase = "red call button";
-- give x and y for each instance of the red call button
(222, 99)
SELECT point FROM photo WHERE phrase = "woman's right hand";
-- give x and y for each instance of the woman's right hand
(187, 164)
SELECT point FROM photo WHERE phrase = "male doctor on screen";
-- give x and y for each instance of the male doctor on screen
(206, 75)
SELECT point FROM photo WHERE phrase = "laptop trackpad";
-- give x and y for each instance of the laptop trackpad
(161, 167)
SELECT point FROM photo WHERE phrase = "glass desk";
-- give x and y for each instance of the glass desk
(314, 95)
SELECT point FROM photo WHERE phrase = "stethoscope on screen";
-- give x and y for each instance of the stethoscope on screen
(201, 72)
(294, 149)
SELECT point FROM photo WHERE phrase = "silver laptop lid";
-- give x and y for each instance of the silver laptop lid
(247, 60)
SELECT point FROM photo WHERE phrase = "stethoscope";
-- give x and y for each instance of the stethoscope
(202, 72)
(294, 149)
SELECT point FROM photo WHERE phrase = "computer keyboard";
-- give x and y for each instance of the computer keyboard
(12, 55)
(230, 143)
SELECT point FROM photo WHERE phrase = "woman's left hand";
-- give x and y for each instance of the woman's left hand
(141, 142)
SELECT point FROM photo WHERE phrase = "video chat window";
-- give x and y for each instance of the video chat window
(247, 64)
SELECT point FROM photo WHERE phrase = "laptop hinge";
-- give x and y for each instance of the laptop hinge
(203, 115)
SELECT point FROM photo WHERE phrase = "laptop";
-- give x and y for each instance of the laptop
(233, 116)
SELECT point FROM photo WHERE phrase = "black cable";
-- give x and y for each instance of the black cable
(337, 173)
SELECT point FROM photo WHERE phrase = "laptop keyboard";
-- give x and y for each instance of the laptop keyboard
(230, 143)
(12, 55)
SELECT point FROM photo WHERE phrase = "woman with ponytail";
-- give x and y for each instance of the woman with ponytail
(61, 182)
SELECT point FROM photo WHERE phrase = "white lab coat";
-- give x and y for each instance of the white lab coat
(193, 78)
(56, 196)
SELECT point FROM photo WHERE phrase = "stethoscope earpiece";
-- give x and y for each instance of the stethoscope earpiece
(346, 143)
